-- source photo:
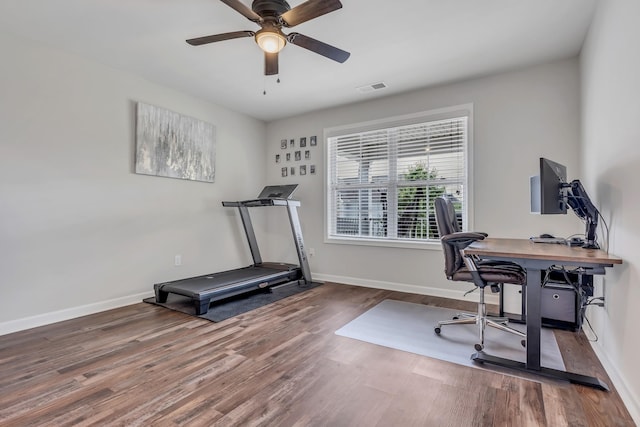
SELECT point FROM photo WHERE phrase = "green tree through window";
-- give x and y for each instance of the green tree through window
(416, 204)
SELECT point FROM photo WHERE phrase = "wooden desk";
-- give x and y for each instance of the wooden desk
(534, 258)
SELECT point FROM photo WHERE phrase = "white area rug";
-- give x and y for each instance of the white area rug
(409, 327)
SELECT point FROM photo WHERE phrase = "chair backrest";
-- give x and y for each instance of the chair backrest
(447, 224)
(446, 219)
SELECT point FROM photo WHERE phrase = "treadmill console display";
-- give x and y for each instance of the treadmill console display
(277, 191)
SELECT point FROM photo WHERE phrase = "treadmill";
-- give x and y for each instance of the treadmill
(216, 286)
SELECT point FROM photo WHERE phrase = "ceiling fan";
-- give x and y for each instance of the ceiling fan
(272, 15)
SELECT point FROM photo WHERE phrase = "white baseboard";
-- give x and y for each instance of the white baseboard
(403, 287)
(69, 313)
(73, 312)
(628, 398)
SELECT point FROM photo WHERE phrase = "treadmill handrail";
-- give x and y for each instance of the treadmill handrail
(262, 202)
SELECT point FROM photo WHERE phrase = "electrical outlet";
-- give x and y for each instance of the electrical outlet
(178, 260)
(312, 252)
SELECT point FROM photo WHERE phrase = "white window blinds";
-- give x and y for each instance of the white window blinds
(382, 183)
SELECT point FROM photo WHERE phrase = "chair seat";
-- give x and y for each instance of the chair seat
(493, 274)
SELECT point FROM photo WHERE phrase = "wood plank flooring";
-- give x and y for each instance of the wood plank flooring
(280, 365)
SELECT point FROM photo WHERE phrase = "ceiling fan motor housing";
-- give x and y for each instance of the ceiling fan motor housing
(267, 8)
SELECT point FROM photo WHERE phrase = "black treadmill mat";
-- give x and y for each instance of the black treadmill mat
(234, 306)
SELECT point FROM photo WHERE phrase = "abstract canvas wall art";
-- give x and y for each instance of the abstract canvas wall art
(172, 145)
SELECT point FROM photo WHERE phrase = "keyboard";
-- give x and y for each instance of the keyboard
(556, 240)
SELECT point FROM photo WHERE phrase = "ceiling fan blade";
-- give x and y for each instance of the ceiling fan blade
(243, 9)
(220, 37)
(309, 10)
(318, 47)
(270, 63)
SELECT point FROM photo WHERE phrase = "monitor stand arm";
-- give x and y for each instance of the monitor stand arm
(577, 198)
(590, 233)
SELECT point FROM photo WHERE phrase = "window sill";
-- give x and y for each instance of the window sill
(403, 244)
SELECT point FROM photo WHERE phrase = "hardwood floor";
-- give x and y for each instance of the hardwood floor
(280, 365)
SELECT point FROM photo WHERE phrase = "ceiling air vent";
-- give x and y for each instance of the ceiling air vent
(371, 87)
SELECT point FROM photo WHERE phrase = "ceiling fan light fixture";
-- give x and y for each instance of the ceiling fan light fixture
(270, 41)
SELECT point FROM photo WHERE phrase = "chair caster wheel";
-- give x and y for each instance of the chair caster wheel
(478, 347)
(523, 343)
(455, 317)
(437, 330)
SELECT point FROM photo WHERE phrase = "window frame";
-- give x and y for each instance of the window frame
(463, 110)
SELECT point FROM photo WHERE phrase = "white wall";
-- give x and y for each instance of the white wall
(610, 68)
(79, 230)
(518, 117)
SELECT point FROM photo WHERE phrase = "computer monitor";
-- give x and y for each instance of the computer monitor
(553, 177)
(551, 194)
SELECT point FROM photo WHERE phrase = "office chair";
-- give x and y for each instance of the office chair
(461, 268)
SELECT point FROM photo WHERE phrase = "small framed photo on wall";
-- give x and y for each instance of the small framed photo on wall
(313, 141)
(277, 158)
(283, 144)
(312, 169)
(284, 171)
(307, 154)
(293, 170)
(303, 170)
(303, 142)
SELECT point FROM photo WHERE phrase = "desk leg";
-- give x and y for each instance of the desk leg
(534, 318)
(585, 380)
(534, 324)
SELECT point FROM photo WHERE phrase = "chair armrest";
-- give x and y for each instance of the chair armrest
(463, 235)
(462, 239)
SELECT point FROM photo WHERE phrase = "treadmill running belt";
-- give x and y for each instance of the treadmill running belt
(211, 287)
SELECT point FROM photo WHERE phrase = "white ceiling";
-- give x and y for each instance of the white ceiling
(406, 44)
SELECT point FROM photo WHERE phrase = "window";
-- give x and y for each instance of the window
(383, 177)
